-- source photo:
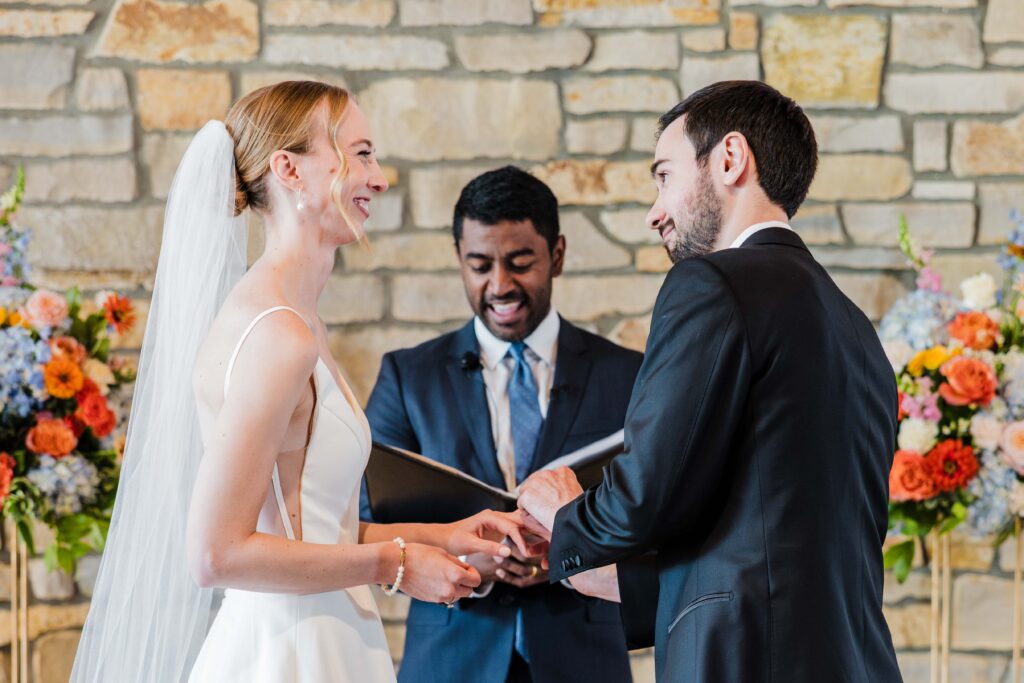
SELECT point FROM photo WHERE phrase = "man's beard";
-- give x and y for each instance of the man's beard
(699, 236)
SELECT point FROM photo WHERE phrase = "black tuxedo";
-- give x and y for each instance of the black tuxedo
(431, 399)
(759, 440)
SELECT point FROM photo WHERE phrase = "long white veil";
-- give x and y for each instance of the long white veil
(148, 617)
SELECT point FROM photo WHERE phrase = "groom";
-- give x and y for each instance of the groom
(760, 432)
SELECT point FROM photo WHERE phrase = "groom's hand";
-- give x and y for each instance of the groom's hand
(546, 491)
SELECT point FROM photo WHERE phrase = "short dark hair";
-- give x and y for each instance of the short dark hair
(776, 128)
(508, 194)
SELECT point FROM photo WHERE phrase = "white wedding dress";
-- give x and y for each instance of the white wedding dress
(335, 636)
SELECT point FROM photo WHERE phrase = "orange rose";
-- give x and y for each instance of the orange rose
(911, 478)
(6, 475)
(68, 347)
(94, 413)
(62, 377)
(968, 381)
(51, 436)
(975, 330)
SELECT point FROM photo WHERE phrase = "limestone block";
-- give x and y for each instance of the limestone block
(983, 148)
(523, 52)
(178, 99)
(634, 50)
(825, 60)
(595, 136)
(168, 30)
(587, 95)
(930, 40)
(933, 224)
(992, 92)
(35, 76)
(357, 53)
(598, 182)
(402, 252)
(101, 90)
(432, 118)
(860, 177)
(57, 136)
(587, 249)
(368, 13)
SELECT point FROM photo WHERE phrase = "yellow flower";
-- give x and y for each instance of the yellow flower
(930, 359)
(3, 315)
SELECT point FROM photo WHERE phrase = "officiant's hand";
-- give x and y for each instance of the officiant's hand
(546, 491)
(519, 571)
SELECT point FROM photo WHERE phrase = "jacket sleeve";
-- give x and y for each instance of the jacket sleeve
(638, 599)
(389, 420)
(686, 406)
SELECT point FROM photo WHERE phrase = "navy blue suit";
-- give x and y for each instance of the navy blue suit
(429, 400)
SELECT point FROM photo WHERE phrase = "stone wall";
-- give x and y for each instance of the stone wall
(917, 105)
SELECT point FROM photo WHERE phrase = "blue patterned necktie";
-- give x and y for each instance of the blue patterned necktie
(524, 410)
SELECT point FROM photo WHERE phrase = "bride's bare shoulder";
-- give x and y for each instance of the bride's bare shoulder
(283, 338)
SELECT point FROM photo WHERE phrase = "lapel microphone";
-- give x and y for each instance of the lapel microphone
(470, 361)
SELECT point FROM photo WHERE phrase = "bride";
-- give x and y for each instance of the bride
(247, 476)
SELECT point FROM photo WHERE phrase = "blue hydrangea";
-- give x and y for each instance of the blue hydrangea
(14, 266)
(67, 483)
(919, 319)
(991, 489)
(21, 378)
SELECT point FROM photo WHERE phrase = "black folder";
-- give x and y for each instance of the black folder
(407, 487)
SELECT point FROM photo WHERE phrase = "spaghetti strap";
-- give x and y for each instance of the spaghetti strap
(248, 330)
(281, 508)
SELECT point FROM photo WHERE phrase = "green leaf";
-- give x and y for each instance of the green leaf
(949, 524)
(899, 558)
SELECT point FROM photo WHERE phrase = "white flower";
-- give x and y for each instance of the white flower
(899, 353)
(100, 373)
(986, 431)
(979, 292)
(918, 435)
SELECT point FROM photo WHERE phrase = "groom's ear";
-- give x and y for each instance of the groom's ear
(736, 159)
(283, 167)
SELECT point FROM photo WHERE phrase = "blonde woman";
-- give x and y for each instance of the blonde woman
(247, 476)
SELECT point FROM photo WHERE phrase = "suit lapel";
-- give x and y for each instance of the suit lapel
(471, 397)
(572, 368)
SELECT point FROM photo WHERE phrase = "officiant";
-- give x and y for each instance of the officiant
(512, 389)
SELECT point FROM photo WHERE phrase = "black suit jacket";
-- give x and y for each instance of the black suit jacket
(759, 440)
(428, 400)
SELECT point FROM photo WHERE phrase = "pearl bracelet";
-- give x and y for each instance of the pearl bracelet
(389, 591)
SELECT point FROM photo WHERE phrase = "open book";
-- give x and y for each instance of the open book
(407, 487)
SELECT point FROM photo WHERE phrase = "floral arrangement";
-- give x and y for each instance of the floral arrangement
(58, 461)
(960, 373)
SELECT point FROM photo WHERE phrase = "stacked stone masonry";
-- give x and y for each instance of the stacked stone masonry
(918, 106)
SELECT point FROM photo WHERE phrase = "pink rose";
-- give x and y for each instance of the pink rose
(45, 309)
(1013, 446)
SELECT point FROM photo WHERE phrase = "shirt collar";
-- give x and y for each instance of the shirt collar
(543, 341)
(757, 227)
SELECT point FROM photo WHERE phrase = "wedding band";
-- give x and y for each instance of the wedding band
(533, 572)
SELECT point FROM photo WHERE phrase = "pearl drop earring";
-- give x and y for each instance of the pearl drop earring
(300, 205)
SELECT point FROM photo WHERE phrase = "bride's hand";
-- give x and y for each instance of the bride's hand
(432, 575)
(484, 533)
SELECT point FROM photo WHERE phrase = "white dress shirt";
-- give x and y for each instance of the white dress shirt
(757, 227)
